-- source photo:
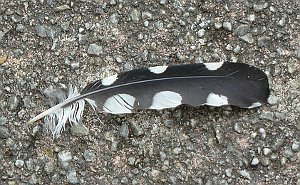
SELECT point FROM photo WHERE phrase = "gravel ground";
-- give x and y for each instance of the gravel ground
(45, 45)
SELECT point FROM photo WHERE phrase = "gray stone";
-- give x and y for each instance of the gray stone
(41, 31)
(4, 132)
(245, 174)
(94, 49)
(79, 130)
(227, 26)
(248, 38)
(228, 172)
(89, 155)
(19, 163)
(238, 127)
(218, 25)
(296, 146)
(147, 15)
(255, 161)
(124, 130)
(137, 131)
(16, 18)
(33, 179)
(114, 18)
(265, 161)
(83, 38)
(242, 29)
(201, 33)
(2, 35)
(154, 174)
(20, 28)
(64, 157)
(72, 177)
(49, 167)
(267, 115)
(131, 161)
(176, 150)
(264, 41)
(135, 15)
(62, 8)
(260, 6)
(267, 151)
(163, 2)
(273, 100)
(13, 102)
(262, 133)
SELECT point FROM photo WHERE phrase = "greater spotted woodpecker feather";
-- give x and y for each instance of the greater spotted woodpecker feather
(160, 87)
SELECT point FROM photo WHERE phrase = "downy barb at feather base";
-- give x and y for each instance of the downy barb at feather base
(160, 87)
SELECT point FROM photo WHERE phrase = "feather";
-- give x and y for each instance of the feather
(160, 87)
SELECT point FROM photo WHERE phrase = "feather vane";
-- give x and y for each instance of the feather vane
(160, 87)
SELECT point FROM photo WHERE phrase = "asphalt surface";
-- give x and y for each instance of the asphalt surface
(45, 45)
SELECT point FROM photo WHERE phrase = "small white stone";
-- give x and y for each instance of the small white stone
(255, 161)
(272, 100)
(267, 151)
(201, 33)
(158, 69)
(109, 80)
(216, 100)
(19, 163)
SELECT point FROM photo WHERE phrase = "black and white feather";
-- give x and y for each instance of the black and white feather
(160, 87)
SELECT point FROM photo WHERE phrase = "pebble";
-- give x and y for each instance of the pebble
(114, 18)
(238, 127)
(255, 161)
(248, 38)
(79, 130)
(267, 115)
(135, 15)
(242, 29)
(218, 25)
(163, 2)
(62, 8)
(89, 155)
(13, 102)
(20, 28)
(137, 131)
(273, 100)
(267, 151)
(124, 130)
(49, 167)
(176, 150)
(245, 174)
(72, 177)
(260, 6)
(201, 33)
(262, 133)
(41, 31)
(228, 172)
(264, 41)
(265, 161)
(131, 161)
(64, 157)
(19, 163)
(296, 146)
(94, 49)
(227, 26)
(4, 132)
(154, 174)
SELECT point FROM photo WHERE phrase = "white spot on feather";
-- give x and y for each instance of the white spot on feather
(158, 69)
(119, 104)
(109, 80)
(213, 66)
(256, 104)
(216, 100)
(166, 99)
